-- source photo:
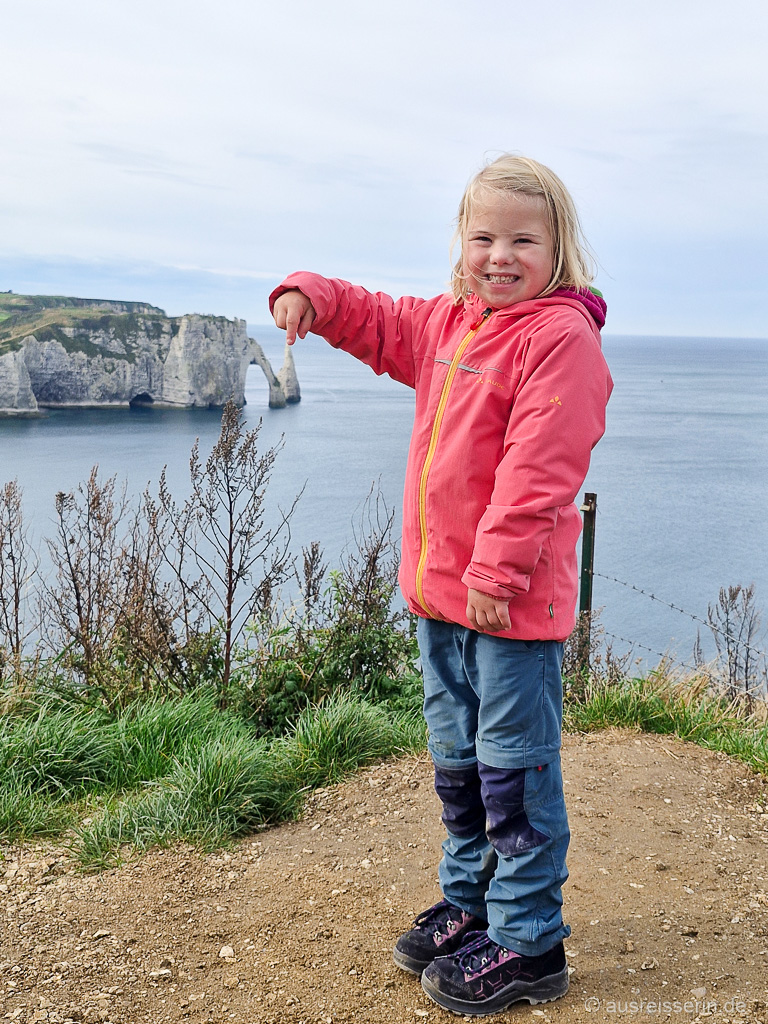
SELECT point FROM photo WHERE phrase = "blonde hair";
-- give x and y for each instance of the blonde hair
(572, 263)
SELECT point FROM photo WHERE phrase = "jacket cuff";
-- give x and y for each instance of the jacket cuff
(489, 585)
(318, 290)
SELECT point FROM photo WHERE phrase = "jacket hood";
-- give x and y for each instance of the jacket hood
(591, 298)
(593, 302)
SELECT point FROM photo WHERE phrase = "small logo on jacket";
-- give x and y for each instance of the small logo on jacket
(555, 400)
(495, 383)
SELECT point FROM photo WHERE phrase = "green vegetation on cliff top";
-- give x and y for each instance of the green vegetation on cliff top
(12, 304)
(46, 317)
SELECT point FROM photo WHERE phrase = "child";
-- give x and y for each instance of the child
(511, 388)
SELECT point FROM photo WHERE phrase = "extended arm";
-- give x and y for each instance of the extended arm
(373, 327)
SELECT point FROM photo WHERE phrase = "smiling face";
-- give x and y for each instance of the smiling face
(507, 251)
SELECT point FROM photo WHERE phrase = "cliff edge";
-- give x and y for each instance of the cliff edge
(60, 351)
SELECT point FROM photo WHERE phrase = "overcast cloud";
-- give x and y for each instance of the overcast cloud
(192, 153)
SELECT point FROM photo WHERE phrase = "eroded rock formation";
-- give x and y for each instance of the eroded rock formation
(113, 354)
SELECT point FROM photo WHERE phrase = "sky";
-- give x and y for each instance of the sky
(191, 154)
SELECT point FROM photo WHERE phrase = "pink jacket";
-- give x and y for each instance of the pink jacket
(508, 408)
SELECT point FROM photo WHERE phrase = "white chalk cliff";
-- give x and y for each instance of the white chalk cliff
(16, 395)
(136, 358)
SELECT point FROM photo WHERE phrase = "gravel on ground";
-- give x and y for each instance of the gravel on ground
(667, 900)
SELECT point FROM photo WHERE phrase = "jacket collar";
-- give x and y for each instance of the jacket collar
(592, 302)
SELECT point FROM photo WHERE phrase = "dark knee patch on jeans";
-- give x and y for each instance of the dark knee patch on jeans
(459, 792)
(507, 825)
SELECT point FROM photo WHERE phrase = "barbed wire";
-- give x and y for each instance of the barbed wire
(682, 611)
(699, 670)
(633, 644)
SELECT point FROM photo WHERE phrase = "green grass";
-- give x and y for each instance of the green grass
(54, 750)
(27, 814)
(16, 303)
(44, 316)
(231, 784)
(154, 736)
(183, 769)
(660, 705)
(344, 733)
(127, 329)
(231, 788)
(65, 750)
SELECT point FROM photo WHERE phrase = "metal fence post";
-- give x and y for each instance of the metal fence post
(589, 508)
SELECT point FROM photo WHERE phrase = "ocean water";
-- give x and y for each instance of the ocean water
(681, 475)
(682, 483)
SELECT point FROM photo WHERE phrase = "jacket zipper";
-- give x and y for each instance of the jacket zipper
(454, 365)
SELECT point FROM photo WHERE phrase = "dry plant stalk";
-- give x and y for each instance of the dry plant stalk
(225, 558)
(81, 608)
(18, 568)
(735, 622)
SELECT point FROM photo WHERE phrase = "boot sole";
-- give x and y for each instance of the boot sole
(407, 963)
(545, 990)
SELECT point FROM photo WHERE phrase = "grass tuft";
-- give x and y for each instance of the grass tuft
(25, 814)
(335, 738)
(662, 703)
(185, 770)
(56, 750)
(410, 730)
(232, 786)
(154, 736)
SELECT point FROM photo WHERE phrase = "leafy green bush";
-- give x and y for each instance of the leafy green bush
(344, 635)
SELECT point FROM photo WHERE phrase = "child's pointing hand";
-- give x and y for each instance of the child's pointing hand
(487, 614)
(294, 314)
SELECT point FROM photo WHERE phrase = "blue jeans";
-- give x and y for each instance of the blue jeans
(494, 711)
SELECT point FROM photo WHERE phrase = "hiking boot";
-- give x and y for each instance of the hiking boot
(436, 932)
(482, 977)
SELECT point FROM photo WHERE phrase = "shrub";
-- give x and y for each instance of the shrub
(342, 635)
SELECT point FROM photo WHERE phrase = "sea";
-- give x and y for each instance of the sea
(681, 475)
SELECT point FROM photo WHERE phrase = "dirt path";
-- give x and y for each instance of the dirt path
(668, 901)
